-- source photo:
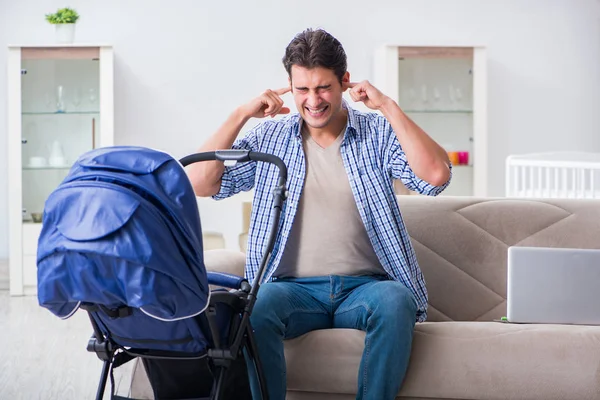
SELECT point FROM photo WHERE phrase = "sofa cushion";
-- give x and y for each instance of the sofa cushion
(224, 260)
(462, 244)
(466, 360)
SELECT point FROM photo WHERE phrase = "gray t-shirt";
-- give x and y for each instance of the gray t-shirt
(328, 236)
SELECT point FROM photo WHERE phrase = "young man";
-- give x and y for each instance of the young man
(343, 258)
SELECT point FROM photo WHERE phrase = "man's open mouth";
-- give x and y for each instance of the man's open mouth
(316, 112)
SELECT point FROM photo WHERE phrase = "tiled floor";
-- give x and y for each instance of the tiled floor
(43, 357)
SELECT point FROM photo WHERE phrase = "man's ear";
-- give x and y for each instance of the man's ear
(345, 79)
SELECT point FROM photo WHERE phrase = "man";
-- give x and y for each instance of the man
(343, 258)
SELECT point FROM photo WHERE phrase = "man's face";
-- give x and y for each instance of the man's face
(318, 94)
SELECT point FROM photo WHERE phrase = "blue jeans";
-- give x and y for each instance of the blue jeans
(289, 307)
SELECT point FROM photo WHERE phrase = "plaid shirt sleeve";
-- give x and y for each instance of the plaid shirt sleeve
(396, 163)
(240, 177)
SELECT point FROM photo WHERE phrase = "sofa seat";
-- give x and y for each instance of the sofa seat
(469, 360)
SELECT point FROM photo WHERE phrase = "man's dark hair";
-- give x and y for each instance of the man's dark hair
(315, 48)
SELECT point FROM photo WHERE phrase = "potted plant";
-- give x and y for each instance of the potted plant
(64, 21)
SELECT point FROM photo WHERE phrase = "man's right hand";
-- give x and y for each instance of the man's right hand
(267, 104)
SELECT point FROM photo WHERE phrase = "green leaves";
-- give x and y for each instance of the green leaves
(63, 16)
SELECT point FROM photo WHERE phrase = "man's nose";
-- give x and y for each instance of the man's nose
(314, 99)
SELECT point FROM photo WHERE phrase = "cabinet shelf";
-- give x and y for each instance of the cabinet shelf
(47, 167)
(60, 113)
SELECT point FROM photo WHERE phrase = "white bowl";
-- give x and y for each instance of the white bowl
(37, 161)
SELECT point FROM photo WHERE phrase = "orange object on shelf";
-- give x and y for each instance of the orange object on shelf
(453, 156)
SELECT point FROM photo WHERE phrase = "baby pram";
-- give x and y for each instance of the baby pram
(121, 239)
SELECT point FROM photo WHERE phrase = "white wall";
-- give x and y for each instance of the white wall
(182, 67)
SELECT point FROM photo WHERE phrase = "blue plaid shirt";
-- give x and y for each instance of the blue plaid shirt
(372, 157)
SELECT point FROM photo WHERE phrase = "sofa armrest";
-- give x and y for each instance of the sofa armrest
(226, 261)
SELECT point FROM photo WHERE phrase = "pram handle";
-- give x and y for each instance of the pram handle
(245, 333)
(279, 193)
(228, 156)
(235, 156)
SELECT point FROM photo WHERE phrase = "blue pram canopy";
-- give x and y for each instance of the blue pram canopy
(123, 231)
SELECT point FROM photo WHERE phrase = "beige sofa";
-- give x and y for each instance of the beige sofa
(460, 352)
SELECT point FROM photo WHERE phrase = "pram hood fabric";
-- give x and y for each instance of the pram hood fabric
(123, 230)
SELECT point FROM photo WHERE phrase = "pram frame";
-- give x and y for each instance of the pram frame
(221, 355)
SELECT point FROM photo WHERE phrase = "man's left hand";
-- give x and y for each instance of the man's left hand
(367, 93)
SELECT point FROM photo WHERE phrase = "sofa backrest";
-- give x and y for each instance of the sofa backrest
(461, 245)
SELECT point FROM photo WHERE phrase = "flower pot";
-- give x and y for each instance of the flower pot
(65, 33)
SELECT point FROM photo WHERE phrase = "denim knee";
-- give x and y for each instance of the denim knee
(391, 301)
(268, 306)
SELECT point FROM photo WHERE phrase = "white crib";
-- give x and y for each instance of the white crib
(553, 175)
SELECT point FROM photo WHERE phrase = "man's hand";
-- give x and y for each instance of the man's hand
(367, 93)
(269, 103)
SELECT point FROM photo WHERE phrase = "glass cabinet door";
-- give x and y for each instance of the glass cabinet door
(60, 118)
(444, 90)
(435, 89)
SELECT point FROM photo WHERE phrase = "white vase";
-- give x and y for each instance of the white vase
(65, 33)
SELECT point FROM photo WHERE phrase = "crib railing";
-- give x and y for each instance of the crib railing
(553, 175)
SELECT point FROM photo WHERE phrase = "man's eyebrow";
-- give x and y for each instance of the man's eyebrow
(318, 87)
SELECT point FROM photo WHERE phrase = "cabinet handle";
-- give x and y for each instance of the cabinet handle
(23, 72)
(23, 141)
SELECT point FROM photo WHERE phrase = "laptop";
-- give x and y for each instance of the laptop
(553, 286)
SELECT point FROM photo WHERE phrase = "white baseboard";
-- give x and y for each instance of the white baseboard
(4, 278)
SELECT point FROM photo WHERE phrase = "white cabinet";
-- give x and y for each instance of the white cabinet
(60, 105)
(444, 91)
